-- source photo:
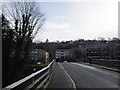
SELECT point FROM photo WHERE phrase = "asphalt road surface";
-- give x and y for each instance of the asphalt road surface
(75, 75)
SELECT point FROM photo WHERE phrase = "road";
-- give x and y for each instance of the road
(75, 75)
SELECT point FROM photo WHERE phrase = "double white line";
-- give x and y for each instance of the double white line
(74, 86)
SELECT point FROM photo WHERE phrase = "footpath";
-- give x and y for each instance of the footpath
(59, 79)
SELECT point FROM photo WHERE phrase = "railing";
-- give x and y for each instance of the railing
(106, 62)
(109, 63)
(36, 80)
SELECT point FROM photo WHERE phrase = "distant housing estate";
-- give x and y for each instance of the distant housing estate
(101, 50)
(95, 50)
(82, 49)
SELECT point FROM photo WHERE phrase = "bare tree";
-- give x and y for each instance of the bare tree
(26, 16)
(25, 20)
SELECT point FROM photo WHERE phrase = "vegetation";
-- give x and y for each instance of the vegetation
(83, 48)
(29, 69)
(21, 21)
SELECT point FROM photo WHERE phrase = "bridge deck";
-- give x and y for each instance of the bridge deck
(83, 76)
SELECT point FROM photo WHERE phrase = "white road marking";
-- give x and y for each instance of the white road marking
(94, 68)
(84, 66)
(74, 86)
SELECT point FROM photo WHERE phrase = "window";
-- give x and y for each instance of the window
(36, 52)
(32, 51)
(62, 54)
(61, 51)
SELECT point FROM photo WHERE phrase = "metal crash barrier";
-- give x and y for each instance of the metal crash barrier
(36, 80)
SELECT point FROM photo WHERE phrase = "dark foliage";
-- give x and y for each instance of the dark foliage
(17, 40)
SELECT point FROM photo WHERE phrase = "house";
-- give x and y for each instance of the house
(39, 56)
(64, 54)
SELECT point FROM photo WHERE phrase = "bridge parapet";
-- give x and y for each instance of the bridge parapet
(106, 62)
(38, 79)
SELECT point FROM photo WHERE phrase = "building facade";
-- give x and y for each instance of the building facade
(64, 54)
(39, 56)
(98, 51)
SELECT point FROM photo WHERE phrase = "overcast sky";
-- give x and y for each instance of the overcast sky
(88, 19)
(73, 20)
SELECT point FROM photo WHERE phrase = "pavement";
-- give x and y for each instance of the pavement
(83, 76)
(59, 78)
